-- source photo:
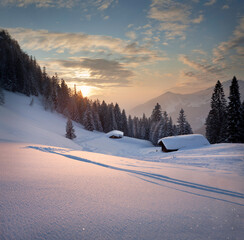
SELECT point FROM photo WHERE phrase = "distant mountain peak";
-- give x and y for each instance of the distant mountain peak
(196, 105)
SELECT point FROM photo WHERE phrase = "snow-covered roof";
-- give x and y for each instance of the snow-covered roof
(115, 133)
(184, 141)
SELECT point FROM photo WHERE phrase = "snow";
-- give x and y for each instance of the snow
(115, 133)
(98, 188)
(184, 141)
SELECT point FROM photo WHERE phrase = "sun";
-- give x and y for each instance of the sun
(86, 90)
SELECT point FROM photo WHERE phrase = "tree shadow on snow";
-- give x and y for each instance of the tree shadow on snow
(151, 177)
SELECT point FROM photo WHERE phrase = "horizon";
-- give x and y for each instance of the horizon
(114, 49)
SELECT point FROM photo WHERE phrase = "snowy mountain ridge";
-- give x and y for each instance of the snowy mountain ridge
(196, 105)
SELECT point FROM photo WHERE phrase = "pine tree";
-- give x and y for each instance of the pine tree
(164, 124)
(170, 127)
(216, 120)
(130, 127)
(234, 116)
(145, 127)
(124, 123)
(156, 113)
(112, 121)
(97, 121)
(70, 132)
(155, 119)
(88, 120)
(104, 117)
(118, 116)
(183, 127)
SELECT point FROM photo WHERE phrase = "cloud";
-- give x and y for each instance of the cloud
(225, 7)
(234, 44)
(175, 17)
(83, 43)
(198, 19)
(131, 35)
(101, 5)
(98, 72)
(173, 30)
(210, 3)
(169, 11)
(40, 3)
(199, 51)
(207, 68)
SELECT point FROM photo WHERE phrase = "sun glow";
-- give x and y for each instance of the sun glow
(82, 74)
(86, 90)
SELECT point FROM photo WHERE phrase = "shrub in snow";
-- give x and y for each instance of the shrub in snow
(70, 132)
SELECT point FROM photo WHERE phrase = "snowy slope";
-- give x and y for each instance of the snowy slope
(100, 188)
(196, 105)
(32, 124)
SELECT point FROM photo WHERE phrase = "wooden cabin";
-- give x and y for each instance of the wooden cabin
(115, 134)
(175, 143)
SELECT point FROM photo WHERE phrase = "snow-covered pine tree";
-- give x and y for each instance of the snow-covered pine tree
(118, 116)
(234, 116)
(112, 121)
(63, 97)
(136, 127)
(183, 127)
(130, 127)
(156, 113)
(216, 120)
(124, 123)
(104, 117)
(88, 120)
(163, 128)
(145, 127)
(70, 132)
(97, 122)
(170, 127)
(155, 118)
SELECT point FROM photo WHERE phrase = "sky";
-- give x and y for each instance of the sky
(129, 51)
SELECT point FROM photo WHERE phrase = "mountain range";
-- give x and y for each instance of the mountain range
(196, 105)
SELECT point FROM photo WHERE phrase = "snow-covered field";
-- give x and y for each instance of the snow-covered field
(100, 188)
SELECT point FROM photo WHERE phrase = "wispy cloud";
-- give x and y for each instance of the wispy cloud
(99, 4)
(199, 74)
(208, 68)
(102, 72)
(210, 3)
(174, 17)
(198, 19)
(225, 7)
(199, 51)
(81, 42)
(131, 35)
(235, 43)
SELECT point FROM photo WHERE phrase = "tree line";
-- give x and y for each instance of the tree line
(225, 121)
(21, 73)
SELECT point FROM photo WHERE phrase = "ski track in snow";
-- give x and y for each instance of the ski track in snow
(149, 175)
